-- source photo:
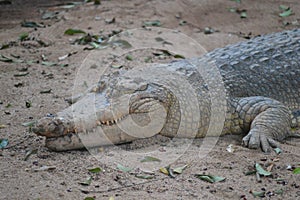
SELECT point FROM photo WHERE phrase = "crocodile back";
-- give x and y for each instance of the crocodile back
(264, 66)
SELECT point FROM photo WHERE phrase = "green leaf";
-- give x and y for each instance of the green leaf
(49, 64)
(117, 66)
(179, 56)
(95, 170)
(87, 182)
(144, 176)
(45, 91)
(129, 57)
(8, 105)
(167, 171)
(179, 170)
(64, 65)
(210, 178)
(73, 31)
(32, 25)
(278, 150)
(3, 143)
(28, 124)
(28, 104)
(64, 57)
(164, 170)
(152, 23)
(286, 13)
(182, 22)
(124, 169)
(296, 171)
(258, 194)
(21, 74)
(284, 7)
(30, 62)
(23, 36)
(278, 191)
(94, 45)
(29, 153)
(89, 198)
(150, 159)
(243, 14)
(261, 171)
(233, 10)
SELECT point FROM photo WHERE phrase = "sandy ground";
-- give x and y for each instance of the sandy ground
(30, 80)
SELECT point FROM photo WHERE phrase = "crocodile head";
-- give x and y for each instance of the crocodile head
(122, 108)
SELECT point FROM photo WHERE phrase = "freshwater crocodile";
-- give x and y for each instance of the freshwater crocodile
(260, 78)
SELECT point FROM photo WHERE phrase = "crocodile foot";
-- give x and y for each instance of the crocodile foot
(267, 120)
(257, 138)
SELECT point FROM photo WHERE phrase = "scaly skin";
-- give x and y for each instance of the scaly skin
(261, 79)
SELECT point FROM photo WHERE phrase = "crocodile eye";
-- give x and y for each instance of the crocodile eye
(128, 85)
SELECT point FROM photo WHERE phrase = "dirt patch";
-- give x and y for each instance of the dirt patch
(38, 77)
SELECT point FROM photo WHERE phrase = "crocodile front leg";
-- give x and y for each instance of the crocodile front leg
(266, 120)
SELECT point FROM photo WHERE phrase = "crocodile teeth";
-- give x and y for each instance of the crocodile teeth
(110, 122)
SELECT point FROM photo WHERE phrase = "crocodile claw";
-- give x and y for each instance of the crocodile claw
(257, 139)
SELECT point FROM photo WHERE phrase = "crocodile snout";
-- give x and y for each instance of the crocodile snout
(52, 127)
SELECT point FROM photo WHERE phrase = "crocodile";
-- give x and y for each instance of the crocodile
(259, 78)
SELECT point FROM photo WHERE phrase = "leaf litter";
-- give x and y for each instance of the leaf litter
(150, 159)
(95, 170)
(285, 11)
(210, 178)
(169, 171)
(86, 182)
(3, 143)
(123, 168)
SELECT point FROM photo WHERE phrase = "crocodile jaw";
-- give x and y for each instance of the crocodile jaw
(95, 121)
